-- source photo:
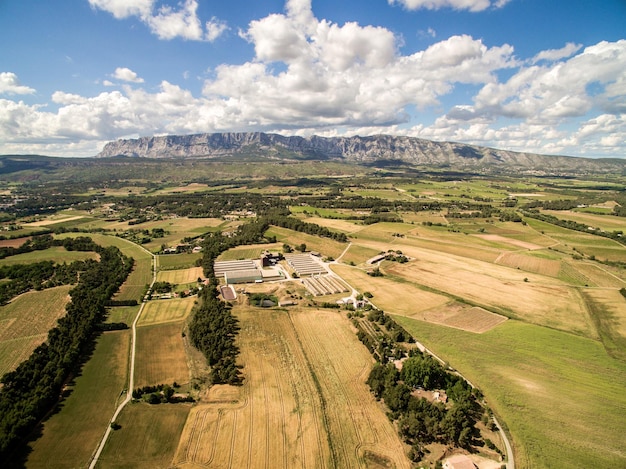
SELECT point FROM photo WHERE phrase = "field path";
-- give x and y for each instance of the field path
(131, 378)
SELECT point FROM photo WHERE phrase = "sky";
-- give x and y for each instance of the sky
(542, 76)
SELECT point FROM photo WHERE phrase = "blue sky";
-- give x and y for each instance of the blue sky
(525, 75)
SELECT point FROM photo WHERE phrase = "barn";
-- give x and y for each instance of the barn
(243, 276)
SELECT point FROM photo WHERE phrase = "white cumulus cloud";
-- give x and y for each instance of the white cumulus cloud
(126, 74)
(166, 22)
(9, 84)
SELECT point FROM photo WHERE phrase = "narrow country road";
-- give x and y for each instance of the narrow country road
(131, 371)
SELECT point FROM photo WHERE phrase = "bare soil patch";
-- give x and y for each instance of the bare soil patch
(13, 243)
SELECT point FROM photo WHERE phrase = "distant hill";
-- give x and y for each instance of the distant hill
(374, 150)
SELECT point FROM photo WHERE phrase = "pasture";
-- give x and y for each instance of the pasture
(304, 402)
(560, 395)
(160, 355)
(70, 436)
(25, 322)
(161, 311)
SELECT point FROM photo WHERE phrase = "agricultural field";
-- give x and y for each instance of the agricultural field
(57, 254)
(177, 261)
(282, 416)
(548, 387)
(161, 355)
(25, 322)
(70, 436)
(327, 247)
(148, 437)
(182, 276)
(252, 251)
(604, 222)
(161, 311)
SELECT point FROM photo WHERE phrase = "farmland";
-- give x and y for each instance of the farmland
(25, 322)
(528, 311)
(70, 436)
(282, 416)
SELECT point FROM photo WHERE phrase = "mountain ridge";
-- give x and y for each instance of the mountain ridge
(360, 150)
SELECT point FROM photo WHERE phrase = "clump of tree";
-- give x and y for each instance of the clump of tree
(160, 394)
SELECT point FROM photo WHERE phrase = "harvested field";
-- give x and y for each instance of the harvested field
(510, 292)
(54, 219)
(389, 295)
(24, 323)
(249, 251)
(161, 355)
(460, 316)
(335, 224)
(161, 311)
(148, 437)
(296, 364)
(325, 246)
(604, 222)
(71, 435)
(548, 267)
(179, 277)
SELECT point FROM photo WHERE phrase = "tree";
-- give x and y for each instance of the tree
(302, 247)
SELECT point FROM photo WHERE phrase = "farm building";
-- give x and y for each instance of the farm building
(270, 258)
(242, 276)
(219, 268)
(305, 264)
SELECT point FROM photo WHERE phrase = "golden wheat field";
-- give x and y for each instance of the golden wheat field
(304, 402)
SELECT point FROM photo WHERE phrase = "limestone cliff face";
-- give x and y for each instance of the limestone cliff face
(367, 150)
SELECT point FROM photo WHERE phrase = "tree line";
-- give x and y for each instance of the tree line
(34, 388)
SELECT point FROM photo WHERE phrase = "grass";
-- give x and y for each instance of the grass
(124, 314)
(148, 437)
(160, 355)
(177, 261)
(560, 395)
(24, 323)
(57, 254)
(71, 436)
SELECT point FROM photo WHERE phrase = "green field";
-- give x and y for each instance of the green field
(72, 435)
(124, 314)
(148, 437)
(177, 261)
(57, 254)
(561, 396)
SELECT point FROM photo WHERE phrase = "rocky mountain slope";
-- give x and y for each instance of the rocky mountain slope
(363, 150)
